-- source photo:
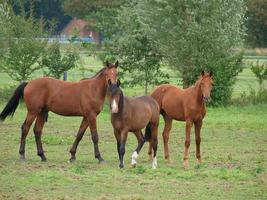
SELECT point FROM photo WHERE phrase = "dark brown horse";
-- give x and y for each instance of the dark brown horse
(184, 105)
(133, 114)
(84, 98)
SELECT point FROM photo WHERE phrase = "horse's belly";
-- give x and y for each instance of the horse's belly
(138, 126)
(65, 109)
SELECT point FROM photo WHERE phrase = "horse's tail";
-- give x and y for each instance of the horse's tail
(148, 132)
(13, 102)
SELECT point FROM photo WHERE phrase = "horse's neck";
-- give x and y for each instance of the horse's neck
(99, 83)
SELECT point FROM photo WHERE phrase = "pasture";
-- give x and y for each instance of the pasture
(234, 151)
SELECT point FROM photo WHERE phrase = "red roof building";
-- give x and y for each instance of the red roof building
(82, 28)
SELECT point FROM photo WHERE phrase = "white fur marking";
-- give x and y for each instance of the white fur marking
(134, 157)
(114, 106)
(154, 163)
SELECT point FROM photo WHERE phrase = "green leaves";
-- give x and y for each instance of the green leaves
(195, 35)
(24, 42)
(139, 55)
(54, 64)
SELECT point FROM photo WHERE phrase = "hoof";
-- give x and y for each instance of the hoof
(43, 158)
(72, 159)
(121, 166)
(133, 165)
(186, 164)
(199, 161)
(22, 158)
(101, 161)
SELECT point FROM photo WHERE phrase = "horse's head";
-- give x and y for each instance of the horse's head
(115, 97)
(111, 73)
(206, 85)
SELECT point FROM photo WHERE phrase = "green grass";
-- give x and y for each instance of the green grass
(234, 144)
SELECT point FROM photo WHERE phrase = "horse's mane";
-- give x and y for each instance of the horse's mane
(121, 103)
(98, 73)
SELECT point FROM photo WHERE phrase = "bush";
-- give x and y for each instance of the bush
(252, 98)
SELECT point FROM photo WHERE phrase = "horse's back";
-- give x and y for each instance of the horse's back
(148, 106)
(53, 94)
(171, 100)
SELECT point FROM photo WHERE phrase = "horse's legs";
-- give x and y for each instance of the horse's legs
(94, 136)
(154, 140)
(39, 124)
(24, 132)
(165, 135)
(198, 126)
(149, 150)
(123, 138)
(187, 142)
(141, 141)
(118, 138)
(79, 136)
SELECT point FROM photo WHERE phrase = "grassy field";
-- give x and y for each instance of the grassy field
(234, 149)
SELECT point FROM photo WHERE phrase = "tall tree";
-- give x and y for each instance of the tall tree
(49, 10)
(139, 56)
(23, 48)
(257, 23)
(194, 35)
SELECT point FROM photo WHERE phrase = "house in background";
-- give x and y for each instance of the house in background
(82, 29)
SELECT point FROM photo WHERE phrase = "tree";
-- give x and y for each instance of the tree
(195, 35)
(256, 23)
(25, 45)
(138, 54)
(4, 23)
(55, 64)
(49, 10)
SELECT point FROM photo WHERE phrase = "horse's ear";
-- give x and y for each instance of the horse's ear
(202, 73)
(211, 74)
(118, 82)
(116, 63)
(107, 64)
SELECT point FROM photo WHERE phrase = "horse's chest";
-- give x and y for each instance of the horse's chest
(196, 114)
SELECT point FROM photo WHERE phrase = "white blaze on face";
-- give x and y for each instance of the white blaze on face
(114, 106)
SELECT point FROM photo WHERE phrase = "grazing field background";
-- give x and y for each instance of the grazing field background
(234, 150)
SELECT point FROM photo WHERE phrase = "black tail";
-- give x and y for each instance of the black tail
(148, 132)
(13, 102)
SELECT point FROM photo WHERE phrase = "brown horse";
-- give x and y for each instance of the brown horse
(133, 114)
(184, 105)
(84, 98)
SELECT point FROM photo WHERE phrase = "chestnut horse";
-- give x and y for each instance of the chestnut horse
(133, 114)
(84, 98)
(184, 105)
